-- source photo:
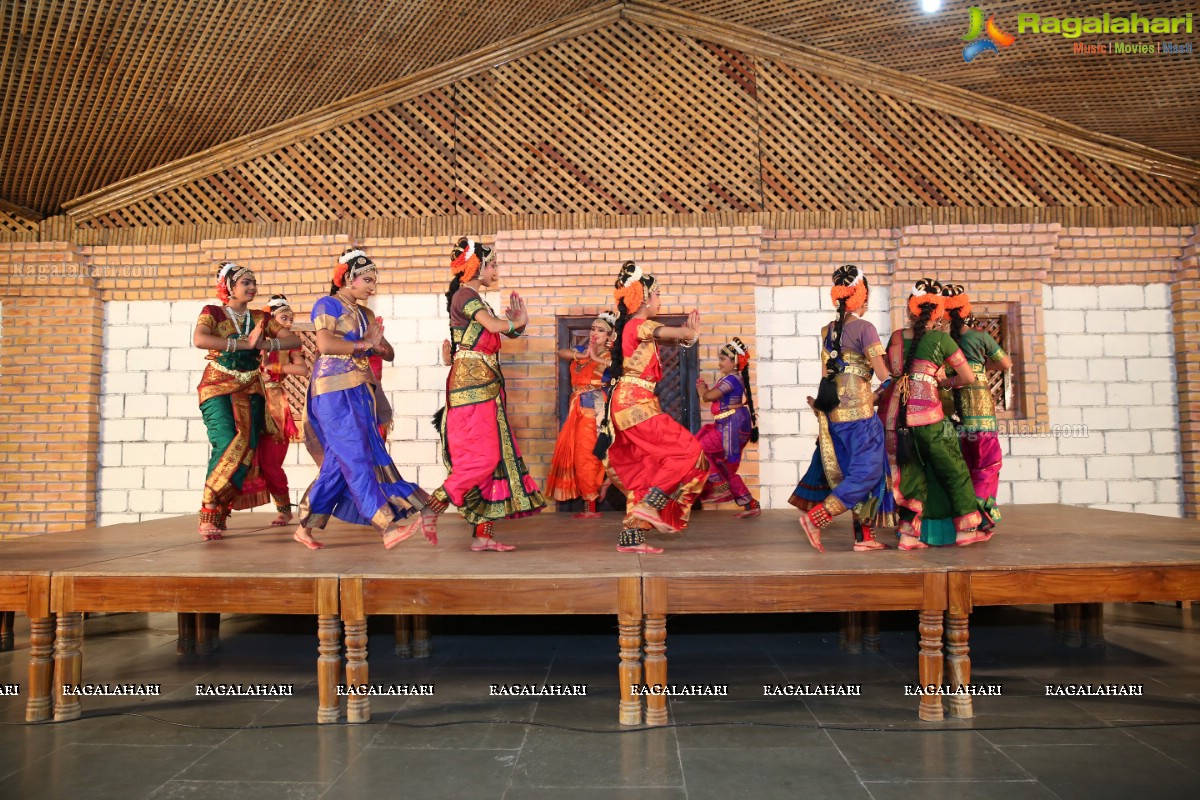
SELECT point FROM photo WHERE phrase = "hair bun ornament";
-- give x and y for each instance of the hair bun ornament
(608, 318)
(629, 287)
(927, 292)
(465, 261)
(849, 284)
(350, 255)
(956, 299)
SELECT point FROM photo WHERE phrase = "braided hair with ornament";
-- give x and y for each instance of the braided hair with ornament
(849, 294)
(926, 305)
(737, 350)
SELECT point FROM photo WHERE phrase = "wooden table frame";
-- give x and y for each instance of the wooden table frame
(364, 595)
(925, 592)
(71, 595)
(1001, 587)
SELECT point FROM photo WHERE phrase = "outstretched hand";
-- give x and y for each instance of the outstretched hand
(693, 321)
(516, 311)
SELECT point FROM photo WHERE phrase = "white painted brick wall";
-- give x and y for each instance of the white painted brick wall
(1111, 368)
(153, 444)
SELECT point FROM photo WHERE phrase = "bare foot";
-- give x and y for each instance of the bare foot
(304, 536)
(868, 545)
(812, 532)
(911, 543)
(643, 549)
(586, 515)
(429, 526)
(283, 519)
(483, 544)
(648, 513)
(395, 536)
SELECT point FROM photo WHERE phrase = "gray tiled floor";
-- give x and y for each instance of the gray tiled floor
(464, 743)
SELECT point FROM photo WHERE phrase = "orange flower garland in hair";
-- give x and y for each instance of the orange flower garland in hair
(927, 292)
(956, 297)
(849, 284)
(630, 288)
(466, 264)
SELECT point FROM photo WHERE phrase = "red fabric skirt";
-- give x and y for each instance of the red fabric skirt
(660, 452)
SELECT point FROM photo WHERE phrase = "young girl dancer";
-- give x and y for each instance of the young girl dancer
(231, 392)
(574, 470)
(656, 459)
(733, 427)
(272, 450)
(358, 483)
(974, 403)
(927, 452)
(488, 478)
(849, 467)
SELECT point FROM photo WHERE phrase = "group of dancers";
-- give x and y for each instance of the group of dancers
(927, 461)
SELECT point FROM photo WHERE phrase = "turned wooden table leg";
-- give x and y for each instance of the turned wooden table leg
(958, 664)
(68, 665)
(41, 669)
(850, 638)
(930, 664)
(329, 666)
(871, 631)
(629, 639)
(1093, 625)
(422, 646)
(656, 650)
(404, 632)
(358, 706)
(208, 634)
(185, 644)
(7, 621)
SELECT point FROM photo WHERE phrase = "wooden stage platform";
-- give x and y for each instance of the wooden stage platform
(1041, 554)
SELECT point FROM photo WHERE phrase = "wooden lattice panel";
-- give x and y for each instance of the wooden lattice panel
(828, 145)
(634, 119)
(14, 223)
(1150, 99)
(96, 92)
(395, 163)
(625, 120)
(996, 326)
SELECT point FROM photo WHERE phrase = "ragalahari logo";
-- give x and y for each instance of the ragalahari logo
(994, 38)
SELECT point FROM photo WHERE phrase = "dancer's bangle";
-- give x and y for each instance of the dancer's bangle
(511, 328)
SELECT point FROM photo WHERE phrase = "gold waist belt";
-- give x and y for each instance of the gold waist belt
(589, 388)
(921, 376)
(645, 384)
(239, 375)
(489, 357)
(729, 412)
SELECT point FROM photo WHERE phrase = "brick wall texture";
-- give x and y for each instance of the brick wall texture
(98, 416)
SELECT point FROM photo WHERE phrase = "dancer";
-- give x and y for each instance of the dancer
(734, 426)
(358, 483)
(660, 464)
(231, 392)
(574, 470)
(974, 403)
(926, 446)
(488, 478)
(849, 468)
(272, 449)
